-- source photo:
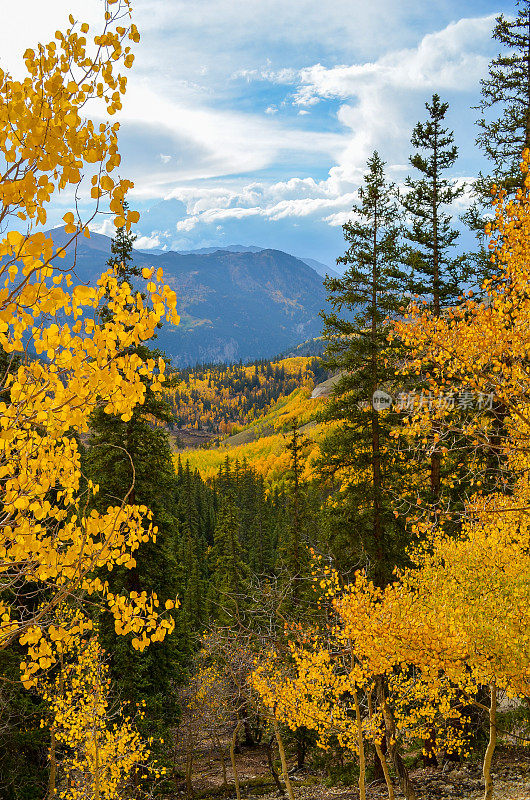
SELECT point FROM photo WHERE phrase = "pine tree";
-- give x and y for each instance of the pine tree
(192, 581)
(504, 123)
(121, 248)
(356, 454)
(255, 515)
(132, 460)
(436, 273)
(294, 551)
(506, 91)
(229, 571)
(195, 511)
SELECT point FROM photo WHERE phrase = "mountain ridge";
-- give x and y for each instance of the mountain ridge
(233, 305)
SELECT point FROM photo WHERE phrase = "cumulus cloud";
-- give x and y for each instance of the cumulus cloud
(105, 227)
(345, 75)
(290, 199)
(445, 60)
(148, 242)
(338, 219)
(370, 98)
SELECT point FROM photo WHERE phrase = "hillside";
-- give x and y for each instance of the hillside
(262, 442)
(234, 306)
(221, 400)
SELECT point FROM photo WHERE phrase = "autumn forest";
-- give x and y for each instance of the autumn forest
(303, 577)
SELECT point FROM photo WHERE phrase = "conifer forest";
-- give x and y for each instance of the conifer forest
(305, 576)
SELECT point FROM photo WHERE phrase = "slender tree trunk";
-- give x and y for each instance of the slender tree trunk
(233, 759)
(376, 450)
(488, 757)
(189, 766)
(219, 748)
(249, 739)
(429, 750)
(300, 748)
(283, 759)
(96, 768)
(273, 772)
(380, 754)
(53, 765)
(435, 455)
(390, 732)
(360, 745)
(429, 754)
(188, 776)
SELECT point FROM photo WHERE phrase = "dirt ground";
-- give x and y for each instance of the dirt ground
(461, 782)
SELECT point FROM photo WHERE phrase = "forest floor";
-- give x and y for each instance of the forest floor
(459, 782)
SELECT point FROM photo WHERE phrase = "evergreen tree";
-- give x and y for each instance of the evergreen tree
(504, 122)
(191, 580)
(255, 515)
(229, 571)
(132, 460)
(506, 92)
(294, 551)
(195, 510)
(436, 273)
(356, 455)
(121, 247)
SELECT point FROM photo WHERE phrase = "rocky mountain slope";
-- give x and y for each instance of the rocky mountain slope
(240, 305)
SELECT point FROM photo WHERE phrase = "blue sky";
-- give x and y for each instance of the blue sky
(250, 122)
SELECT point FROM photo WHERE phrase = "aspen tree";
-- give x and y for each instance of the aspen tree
(48, 537)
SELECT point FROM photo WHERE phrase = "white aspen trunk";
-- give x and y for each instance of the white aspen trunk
(281, 748)
(488, 757)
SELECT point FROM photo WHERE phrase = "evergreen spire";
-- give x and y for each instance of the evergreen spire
(506, 98)
(504, 123)
(121, 247)
(436, 274)
(229, 571)
(355, 453)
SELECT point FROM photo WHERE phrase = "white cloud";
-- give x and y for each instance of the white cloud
(195, 62)
(338, 219)
(296, 198)
(106, 227)
(372, 95)
(187, 225)
(148, 242)
(442, 61)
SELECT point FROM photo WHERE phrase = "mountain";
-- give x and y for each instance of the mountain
(321, 268)
(230, 248)
(233, 305)
(318, 266)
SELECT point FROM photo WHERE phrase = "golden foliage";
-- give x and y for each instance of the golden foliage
(103, 747)
(459, 618)
(267, 453)
(47, 536)
(225, 399)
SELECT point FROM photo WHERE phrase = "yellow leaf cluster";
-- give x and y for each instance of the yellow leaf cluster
(62, 360)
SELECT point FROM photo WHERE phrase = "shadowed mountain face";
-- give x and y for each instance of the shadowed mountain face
(233, 305)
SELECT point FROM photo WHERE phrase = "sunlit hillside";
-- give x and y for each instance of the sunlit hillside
(263, 442)
(225, 399)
